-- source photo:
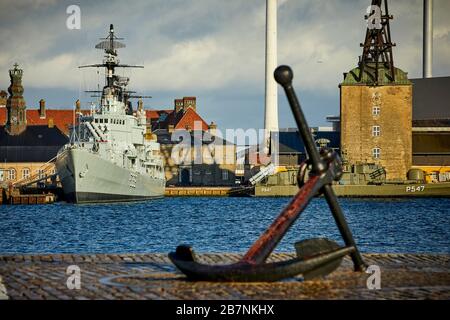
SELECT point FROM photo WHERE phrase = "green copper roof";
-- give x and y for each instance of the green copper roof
(352, 78)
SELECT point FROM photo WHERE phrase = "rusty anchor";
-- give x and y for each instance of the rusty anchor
(315, 257)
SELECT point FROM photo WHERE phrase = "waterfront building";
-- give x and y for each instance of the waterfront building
(208, 162)
(291, 149)
(25, 149)
(26, 155)
(376, 107)
(201, 165)
(182, 116)
(431, 127)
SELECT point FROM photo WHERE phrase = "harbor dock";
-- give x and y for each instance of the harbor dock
(152, 276)
(203, 191)
(14, 197)
(25, 199)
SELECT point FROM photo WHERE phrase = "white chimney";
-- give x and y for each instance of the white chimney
(271, 102)
(428, 38)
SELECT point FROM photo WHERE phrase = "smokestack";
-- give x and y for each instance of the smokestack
(77, 106)
(42, 109)
(427, 38)
(271, 102)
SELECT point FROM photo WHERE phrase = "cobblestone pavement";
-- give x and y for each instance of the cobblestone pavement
(152, 276)
(3, 295)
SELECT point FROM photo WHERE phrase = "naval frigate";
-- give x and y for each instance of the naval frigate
(111, 156)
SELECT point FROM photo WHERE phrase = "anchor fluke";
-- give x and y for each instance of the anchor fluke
(312, 247)
(318, 264)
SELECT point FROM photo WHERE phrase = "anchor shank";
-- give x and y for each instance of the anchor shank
(264, 246)
(338, 216)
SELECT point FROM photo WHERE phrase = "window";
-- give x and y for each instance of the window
(376, 110)
(376, 153)
(41, 174)
(12, 174)
(376, 131)
(25, 173)
(224, 174)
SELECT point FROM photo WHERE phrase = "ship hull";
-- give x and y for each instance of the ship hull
(88, 178)
(440, 190)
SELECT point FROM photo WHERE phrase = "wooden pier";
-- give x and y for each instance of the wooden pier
(25, 199)
(14, 197)
(204, 191)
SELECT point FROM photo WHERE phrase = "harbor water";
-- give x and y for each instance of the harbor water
(219, 225)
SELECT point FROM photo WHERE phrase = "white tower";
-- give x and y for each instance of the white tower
(428, 38)
(271, 102)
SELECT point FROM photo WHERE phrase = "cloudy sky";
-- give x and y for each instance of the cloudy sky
(212, 49)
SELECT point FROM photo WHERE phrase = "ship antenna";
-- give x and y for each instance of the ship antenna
(111, 37)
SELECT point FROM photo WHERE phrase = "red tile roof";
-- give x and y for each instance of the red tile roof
(188, 120)
(155, 114)
(63, 118)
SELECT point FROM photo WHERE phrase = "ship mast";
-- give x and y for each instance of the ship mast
(114, 83)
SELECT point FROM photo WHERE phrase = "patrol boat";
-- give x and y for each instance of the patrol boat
(111, 156)
(363, 180)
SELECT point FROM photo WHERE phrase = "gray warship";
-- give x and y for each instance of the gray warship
(111, 156)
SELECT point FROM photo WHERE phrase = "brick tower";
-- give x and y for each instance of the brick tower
(16, 122)
(376, 103)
